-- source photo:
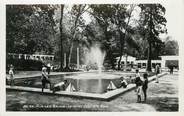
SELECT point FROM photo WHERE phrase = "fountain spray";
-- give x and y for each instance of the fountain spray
(96, 56)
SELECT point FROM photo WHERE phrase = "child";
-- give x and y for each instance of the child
(145, 86)
(139, 90)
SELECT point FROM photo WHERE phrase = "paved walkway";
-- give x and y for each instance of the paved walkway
(162, 96)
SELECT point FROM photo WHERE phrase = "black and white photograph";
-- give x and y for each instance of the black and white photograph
(91, 58)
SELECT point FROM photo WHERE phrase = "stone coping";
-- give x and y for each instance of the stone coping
(104, 96)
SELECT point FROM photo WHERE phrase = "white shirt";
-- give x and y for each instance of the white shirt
(11, 72)
(48, 65)
(124, 81)
(138, 75)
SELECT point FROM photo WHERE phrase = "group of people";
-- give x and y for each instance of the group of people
(44, 79)
(141, 85)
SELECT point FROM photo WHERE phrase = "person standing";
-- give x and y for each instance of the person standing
(45, 80)
(139, 89)
(171, 70)
(145, 86)
(11, 73)
(138, 82)
(48, 68)
(157, 70)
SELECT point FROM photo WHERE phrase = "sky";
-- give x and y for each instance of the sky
(174, 16)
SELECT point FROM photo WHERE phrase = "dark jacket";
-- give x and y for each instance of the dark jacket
(145, 84)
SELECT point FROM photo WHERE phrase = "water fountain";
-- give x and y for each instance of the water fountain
(89, 84)
(94, 82)
(95, 56)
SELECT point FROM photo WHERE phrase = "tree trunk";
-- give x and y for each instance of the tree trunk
(61, 38)
(121, 49)
(149, 58)
(124, 38)
(67, 62)
(119, 63)
(150, 41)
(126, 56)
(70, 53)
(72, 39)
(112, 60)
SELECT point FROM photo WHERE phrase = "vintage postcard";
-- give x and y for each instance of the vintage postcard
(92, 56)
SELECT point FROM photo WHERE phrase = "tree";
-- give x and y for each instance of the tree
(42, 25)
(123, 27)
(153, 23)
(72, 27)
(29, 28)
(115, 21)
(16, 29)
(170, 47)
(103, 15)
(61, 35)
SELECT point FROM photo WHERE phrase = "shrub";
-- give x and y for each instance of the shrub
(24, 65)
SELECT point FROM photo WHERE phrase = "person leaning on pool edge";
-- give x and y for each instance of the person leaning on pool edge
(60, 86)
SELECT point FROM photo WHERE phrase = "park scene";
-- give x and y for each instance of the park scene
(90, 57)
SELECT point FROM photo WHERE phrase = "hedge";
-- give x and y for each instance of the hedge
(24, 65)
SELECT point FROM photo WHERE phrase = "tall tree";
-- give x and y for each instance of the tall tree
(16, 27)
(116, 19)
(29, 28)
(76, 21)
(153, 21)
(123, 13)
(103, 14)
(61, 35)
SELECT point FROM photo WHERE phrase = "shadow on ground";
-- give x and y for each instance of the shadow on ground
(164, 103)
